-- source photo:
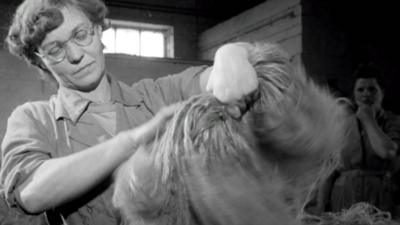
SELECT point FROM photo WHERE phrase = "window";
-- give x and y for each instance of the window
(140, 39)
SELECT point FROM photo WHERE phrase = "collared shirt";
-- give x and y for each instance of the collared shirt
(38, 131)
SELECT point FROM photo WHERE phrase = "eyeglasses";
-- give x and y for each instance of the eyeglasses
(56, 54)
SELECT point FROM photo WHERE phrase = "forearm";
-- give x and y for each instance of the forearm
(60, 180)
(381, 144)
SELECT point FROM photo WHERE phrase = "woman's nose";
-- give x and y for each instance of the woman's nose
(74, 53)
(367, 93)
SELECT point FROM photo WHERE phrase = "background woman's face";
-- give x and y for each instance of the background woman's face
(368, 92)
(83, 66)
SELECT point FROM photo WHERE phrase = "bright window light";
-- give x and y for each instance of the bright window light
(152, 44)
(108, 40)
(149, 40)
(127, 41)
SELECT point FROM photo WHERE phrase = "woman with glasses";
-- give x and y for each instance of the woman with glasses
(58, 156)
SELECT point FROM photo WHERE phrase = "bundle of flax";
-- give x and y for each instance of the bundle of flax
(207, 167)
(359, 214)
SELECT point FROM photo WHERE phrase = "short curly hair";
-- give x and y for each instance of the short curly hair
(34, 19)
(369, 71)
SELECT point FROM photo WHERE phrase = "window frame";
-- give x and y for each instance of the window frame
(166, 30)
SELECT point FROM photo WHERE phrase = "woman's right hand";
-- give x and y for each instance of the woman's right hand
(366, 113)
(147, 131)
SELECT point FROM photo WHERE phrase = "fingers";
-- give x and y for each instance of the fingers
(147, 131)
(365, 112)
(234, 111)
(232, 75)
(238, 108)
(168, 111)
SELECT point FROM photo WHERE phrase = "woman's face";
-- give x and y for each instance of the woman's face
(83, 66)
(368, 92)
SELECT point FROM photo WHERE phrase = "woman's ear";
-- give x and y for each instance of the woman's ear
(99, 30)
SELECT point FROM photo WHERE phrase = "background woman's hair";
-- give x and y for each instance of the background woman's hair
(370, 71)
(34, 19)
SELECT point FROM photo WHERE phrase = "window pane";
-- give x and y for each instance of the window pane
(127, 41)
(108, 40)
(152, 44)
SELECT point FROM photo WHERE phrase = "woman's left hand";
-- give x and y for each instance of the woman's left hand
(232, 77)
(366, 113)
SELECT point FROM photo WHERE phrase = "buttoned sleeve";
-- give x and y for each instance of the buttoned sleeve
(25, 146)
(170, 89)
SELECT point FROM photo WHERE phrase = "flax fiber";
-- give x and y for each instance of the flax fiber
(209, 168)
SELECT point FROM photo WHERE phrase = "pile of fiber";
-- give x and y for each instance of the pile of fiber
(359, 214)
(207, 167)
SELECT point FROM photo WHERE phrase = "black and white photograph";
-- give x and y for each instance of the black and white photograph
(199, 112)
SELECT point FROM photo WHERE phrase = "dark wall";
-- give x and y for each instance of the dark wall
(6, 12)
(338, 35)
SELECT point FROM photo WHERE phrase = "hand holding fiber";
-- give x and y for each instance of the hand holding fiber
(147, 131)
(232, 76)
